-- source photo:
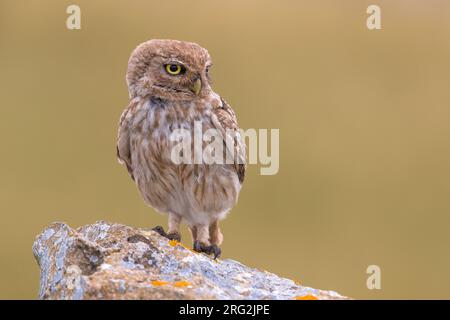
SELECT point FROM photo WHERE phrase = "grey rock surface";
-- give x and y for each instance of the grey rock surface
(113, 261)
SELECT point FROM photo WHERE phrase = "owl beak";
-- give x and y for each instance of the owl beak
(197, 86)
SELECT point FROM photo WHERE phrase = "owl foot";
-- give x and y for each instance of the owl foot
(212, 249)
(171, 236)
(174, 236)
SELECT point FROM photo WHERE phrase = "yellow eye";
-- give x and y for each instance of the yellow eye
(173, 69)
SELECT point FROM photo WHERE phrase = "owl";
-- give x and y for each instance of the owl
(169, 88)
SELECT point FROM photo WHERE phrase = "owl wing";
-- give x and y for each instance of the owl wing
(123, 137)
(226, 120)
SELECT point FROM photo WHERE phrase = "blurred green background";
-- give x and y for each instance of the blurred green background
(364, 132)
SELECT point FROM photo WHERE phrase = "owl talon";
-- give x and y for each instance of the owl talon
(209, 250)
(171, 236)
(198, 246)
(174, 236)
(215, 250)
(160, 230)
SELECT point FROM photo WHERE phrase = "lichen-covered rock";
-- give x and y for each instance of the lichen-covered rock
(113, 261)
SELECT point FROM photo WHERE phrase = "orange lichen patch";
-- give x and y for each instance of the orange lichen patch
(158, 283)
(306, 297)
(173, 243)
(182, 284)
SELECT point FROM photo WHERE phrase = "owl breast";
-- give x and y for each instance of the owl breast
(199, 193)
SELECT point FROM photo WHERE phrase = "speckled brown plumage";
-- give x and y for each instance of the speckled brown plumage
(160, 102)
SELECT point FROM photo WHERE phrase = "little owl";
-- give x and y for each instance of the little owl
(170, 88)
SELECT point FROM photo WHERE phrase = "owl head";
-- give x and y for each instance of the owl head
(169, 69)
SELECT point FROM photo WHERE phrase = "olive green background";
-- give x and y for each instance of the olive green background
(364, 132)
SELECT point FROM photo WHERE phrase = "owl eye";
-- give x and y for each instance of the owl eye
(174, 69)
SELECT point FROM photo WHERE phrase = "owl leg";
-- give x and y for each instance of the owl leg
(174, 228)
(202, 244)
(215, 235)
(193, 231)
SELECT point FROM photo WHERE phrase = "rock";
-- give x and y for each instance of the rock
(113, 261)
